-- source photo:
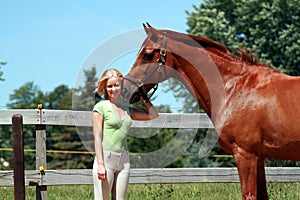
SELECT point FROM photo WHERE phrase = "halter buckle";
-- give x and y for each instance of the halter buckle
(139, 83)
(163, 52)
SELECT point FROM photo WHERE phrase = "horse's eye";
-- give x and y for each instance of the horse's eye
(148, 56)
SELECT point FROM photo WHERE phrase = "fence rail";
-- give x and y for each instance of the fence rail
(150, 176)
(84, 118)
(44, 117)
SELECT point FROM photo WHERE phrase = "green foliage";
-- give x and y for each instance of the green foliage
(59, 99)
(190, 105)
(271, 29)
(67, 140)
(1, 73)
(26, 97)
(84, 97)
(213, 159)
(64, 139)
(145, 144)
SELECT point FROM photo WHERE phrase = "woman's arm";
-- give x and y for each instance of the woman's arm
(151, 112)
(97, 120)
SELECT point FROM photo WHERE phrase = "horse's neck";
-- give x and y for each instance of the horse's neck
(207, 79)
(194, 89)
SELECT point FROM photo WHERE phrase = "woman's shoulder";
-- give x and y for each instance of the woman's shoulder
(102, 102)
(101, 105)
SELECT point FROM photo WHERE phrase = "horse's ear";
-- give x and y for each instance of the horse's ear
(148, 25)
(147, 28)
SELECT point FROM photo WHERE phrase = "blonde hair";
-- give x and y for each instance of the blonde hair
(107, 74)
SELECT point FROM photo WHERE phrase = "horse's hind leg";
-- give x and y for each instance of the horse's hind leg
(262, 193)
(247, 165)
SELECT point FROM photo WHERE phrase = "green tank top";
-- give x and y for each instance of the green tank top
(115, 127)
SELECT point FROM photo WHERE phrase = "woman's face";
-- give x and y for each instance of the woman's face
(113, 87)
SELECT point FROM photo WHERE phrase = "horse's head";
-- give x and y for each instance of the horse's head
(149, 68)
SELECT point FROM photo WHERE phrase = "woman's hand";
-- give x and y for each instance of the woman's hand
(101, 171)
(149, 114)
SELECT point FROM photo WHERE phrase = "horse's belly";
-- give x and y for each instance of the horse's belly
(268, 138)
(266, 126)
(289, 151)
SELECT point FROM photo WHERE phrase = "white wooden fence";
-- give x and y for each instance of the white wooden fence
(44, 117)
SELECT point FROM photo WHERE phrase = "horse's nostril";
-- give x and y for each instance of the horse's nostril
(124, 92)
(135, 97)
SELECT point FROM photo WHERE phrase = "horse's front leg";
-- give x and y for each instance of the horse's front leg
(247, 165)
(262, 193)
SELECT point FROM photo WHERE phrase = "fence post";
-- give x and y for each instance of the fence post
(41, 190)
(18, 157)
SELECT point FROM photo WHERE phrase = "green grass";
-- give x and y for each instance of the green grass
(205, 191)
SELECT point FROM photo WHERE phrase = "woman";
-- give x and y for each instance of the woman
(111, 122)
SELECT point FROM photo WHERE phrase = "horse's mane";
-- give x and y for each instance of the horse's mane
(249, 57)
(207, 43)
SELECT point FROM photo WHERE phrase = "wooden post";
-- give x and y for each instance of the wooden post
(18, 157)
(41, 190)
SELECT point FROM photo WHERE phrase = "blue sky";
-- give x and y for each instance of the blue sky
(48, 41)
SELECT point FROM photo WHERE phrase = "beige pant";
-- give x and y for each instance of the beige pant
(118, 170)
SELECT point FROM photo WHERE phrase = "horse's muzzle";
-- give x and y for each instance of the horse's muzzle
(130, 97)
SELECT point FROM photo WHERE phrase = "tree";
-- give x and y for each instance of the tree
(145, 143)
(26, 97)
(63, 138)
(59, 99)
(60, 138)
(4, 164)
(270, 29)
(84, 97)
(1, 73)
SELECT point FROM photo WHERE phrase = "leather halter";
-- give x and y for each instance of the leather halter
(140, 83)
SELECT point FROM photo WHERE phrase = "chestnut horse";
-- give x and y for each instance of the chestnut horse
(255, 109)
